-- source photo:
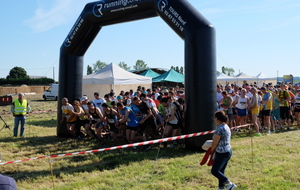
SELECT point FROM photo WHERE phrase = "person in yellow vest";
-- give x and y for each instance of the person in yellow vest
(20, 109)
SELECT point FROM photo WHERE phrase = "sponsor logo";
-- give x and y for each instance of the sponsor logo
(162, 5)
(115, 6)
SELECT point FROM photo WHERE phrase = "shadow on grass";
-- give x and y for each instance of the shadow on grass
(99, 161)
(43, 123)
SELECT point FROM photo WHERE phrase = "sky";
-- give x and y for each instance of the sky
(251, 37)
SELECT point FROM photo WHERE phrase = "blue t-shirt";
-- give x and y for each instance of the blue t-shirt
(136, 111)
(224, 144)
(132, 119)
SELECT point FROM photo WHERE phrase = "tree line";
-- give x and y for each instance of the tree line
(139, 65)
(18, 76)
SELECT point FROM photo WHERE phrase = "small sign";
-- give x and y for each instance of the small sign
(5, 100)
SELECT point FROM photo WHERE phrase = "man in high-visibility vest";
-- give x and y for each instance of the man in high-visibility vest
(20, 109)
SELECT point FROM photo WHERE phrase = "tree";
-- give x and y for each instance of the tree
(16, 73)
(98, 65)
(124, 66)
(140, 64)
(89, 70)
(228, 71)
(177, 69)
(181, 70)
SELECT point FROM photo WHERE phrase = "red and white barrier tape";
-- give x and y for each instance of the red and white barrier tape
(124, 146)
(38, 112)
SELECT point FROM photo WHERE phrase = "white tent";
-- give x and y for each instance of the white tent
(244, 78)
(224, 79)
(263, 78)
(112, 77)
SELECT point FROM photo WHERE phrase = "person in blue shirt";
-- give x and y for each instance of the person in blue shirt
(131, 121)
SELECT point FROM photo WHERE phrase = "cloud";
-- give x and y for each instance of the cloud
(60, 13)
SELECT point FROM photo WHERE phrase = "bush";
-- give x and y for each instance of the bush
(27, 81)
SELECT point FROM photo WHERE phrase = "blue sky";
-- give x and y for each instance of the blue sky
(251, 37)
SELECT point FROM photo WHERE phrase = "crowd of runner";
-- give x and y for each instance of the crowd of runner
(151, 114)
(135, 116)
(267, 107)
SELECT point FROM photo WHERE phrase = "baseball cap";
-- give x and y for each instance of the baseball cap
(119, 97)
(83, 98)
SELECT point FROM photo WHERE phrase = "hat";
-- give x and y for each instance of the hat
(230, 91)
(119, 97)
(21, 94)
(83, 98)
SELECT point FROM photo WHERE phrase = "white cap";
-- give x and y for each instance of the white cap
(83, 98)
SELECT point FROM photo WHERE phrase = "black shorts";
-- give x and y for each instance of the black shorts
(266, 112)
(132, 128)
(148, 123)
(81, 122)
(284, 112)
(297, 109)
(175, 126)
(113, 128)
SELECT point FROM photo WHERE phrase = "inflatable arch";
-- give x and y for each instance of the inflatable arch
(197, 33)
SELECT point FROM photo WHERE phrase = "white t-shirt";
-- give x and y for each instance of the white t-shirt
(156, 95)
(99, 103)
(169, 111)
(219, 96)
(242, 102)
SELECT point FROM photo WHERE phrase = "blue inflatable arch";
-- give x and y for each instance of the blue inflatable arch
(197, 33)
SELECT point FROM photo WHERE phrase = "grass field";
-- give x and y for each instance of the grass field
(268, 162)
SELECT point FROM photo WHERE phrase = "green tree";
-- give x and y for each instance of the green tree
(89, 70)
(181, 70)
(140, 64)
(124, 66)
(16, 73)
(98, 65)
(228, 71)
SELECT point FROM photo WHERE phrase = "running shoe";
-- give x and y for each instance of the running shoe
(230, 186)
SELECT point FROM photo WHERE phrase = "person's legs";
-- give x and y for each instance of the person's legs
(254, 121)
(16, 126)
(297, 115)
(88, 130)
(132, 135)
(167, 130)
(219, 166)
(267, 123)
(23, 121)
(128, 135)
